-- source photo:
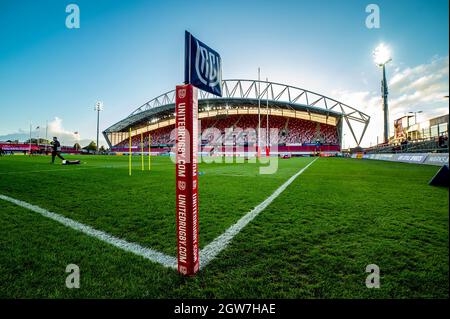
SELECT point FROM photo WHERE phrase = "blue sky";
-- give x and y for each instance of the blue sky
(127, 52)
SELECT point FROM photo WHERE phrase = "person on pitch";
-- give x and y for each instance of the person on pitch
(56, 151)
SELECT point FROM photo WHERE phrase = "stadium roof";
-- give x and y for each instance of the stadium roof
(246, 92)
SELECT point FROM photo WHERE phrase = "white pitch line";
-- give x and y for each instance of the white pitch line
(207, 254)
(210, 251)
(233, 175)
(147, 253)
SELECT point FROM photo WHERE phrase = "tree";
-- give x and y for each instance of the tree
(44, 141)
(91, 147)
(41, 141)
(33, 141)
(102, 149)
(77, 146)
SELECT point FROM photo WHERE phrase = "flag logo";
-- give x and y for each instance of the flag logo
(203, 68)
(207, 65)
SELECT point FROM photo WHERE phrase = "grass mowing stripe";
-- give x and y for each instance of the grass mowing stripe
(136, 249)
(313, 241)
(208, 253)
(62, 169)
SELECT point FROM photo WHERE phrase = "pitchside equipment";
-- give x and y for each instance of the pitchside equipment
(203, 70)
(66, 162)
(441, 178)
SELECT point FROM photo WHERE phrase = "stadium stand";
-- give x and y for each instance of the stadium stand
(291, 131)
(438, 144)
(301, 116)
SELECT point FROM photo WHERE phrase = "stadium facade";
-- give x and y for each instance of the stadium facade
(302, 117)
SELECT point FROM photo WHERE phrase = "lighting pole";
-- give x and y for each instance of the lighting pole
(30, 141)
(98, 108)
(382, 56)
(46, 136)
(446, 97)
(38, 129)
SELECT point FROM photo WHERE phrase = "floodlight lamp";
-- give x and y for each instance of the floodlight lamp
(98, 106)
(382, 55)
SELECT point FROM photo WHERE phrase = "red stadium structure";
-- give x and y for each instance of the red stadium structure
(306, 122)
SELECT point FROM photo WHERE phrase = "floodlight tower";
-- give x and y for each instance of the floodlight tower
(98, 107)
(382, 56)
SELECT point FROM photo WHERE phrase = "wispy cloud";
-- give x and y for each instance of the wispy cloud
(418, 88)
(55, 128)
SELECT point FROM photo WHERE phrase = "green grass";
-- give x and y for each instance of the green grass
(313, 241)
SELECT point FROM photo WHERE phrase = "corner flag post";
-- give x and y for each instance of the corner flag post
(203, 70)
(186, 110)
(129, 154)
